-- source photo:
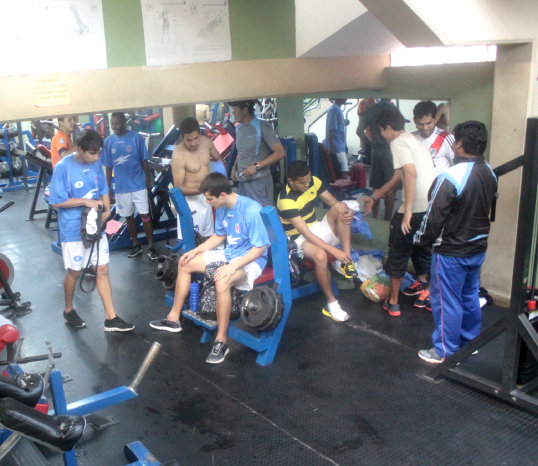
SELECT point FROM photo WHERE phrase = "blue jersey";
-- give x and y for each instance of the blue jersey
(335, 123)
(244, 229)
(126, 155)
(73, 179)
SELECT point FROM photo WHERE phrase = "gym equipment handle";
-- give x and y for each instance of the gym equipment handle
(148, 361)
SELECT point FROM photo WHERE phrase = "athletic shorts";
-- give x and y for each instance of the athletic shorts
(401, 248)
(321, 230)
(202, 216)
(252, 269)
(259, 189)
(75, 255)
(126, 203)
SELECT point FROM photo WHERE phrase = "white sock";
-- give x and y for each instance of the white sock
(333, 306)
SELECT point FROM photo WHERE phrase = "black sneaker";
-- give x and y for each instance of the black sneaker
(135, 250)
(152, 254)
(423, 301)
(166, 325)
(73, 319)
(414, 289)
(117, 324)
(348, 270)
(217, 353)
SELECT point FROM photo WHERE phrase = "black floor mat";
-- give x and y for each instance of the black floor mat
(336, 393)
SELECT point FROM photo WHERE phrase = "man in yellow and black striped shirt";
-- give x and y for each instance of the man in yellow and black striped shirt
(296, 209)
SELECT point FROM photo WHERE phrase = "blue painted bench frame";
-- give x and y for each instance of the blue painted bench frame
(266, 343)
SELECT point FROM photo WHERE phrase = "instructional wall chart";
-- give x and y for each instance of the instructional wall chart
(186, 31)
(51, 36)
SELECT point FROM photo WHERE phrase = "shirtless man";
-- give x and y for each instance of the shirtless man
(190, 165)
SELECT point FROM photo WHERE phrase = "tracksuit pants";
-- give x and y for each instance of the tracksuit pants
(454, 299)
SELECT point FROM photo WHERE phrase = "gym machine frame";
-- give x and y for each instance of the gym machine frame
(516, 322)
(27, 176)
(135, 452)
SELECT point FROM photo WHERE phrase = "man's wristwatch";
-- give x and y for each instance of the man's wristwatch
(257, 166)
(372, 197)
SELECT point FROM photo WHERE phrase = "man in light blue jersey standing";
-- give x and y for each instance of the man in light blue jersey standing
(125, 152)
(78, 182)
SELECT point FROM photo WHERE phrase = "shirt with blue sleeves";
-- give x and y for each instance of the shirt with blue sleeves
(126, 154)
(72, 179)
(244, 229)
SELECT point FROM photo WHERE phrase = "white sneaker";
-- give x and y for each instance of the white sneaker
(337, 313)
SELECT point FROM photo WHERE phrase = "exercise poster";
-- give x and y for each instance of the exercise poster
(52, 36)
(186, 31)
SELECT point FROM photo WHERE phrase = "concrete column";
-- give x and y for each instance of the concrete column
(512, 98)
(291, 121)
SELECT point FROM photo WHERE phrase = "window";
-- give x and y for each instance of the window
(418, 56)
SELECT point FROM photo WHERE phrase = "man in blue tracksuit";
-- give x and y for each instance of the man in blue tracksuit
(457, 224)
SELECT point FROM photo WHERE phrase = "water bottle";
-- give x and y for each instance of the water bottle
(193, 300)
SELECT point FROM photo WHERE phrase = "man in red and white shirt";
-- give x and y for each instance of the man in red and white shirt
(438, 142)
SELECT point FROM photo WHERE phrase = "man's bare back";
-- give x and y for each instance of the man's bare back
(190, 167)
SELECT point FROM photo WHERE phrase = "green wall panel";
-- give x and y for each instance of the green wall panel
(124, 33)
(259, 29)
(262, 29)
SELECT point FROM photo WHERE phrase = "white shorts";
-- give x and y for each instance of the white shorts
(202, 218)
(252, 269)
(75, 255)
(321, 230)
(126, 203)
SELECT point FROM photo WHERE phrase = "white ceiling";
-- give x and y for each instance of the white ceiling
(377, 27)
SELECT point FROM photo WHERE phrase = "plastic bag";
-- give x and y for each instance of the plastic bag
(376, 288)
(368, 266)
(358, 224)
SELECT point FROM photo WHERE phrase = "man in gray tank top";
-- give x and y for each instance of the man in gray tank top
(258, 147)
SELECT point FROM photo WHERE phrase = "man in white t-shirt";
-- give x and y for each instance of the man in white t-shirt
(413, 167)
(438, 142)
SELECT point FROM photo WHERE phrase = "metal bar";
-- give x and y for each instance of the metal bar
(58, 394)
(40, 177)
(144, 367)
(529, 335)
(8, 444)
(489, 334)
(523, 248)
(100, 401)
(529, 386)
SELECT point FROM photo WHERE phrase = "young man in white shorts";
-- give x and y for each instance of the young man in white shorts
(125, 152)
(78, 181)
(238, 222)
(296, 209)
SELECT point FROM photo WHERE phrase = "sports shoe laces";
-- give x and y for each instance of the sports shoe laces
(424, 294)
(216, 348)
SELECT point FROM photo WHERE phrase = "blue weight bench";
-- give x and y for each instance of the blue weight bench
(266, 343)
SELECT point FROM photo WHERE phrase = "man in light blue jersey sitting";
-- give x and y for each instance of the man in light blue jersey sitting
(239, 224)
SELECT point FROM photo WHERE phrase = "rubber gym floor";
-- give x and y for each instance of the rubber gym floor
(336, 393)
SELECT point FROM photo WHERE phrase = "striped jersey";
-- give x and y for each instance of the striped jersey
(291, 204)
(439, 143)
